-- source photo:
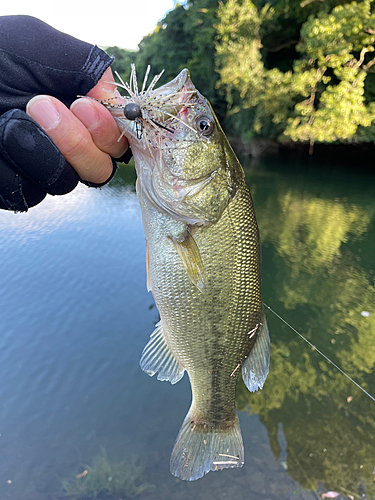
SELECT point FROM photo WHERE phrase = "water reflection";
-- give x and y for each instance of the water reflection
(63, 211)
(313, 235)
(76, 316)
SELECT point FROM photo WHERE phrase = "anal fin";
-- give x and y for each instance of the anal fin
(255, 367)
(157, 357)
(191, 259)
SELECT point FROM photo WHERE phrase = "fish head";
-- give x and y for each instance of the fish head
(185, 165)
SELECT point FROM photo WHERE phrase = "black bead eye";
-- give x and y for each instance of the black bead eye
(132, 111)
(204, 125)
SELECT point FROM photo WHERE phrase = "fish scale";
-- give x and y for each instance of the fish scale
(204, 268)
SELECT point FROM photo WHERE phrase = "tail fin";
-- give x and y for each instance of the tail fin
(201, 448)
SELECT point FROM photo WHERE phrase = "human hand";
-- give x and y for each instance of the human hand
(36, 59)
(86, 135)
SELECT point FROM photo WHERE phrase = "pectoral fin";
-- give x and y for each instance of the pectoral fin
(191, 258)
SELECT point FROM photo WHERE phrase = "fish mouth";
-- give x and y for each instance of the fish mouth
(170, 101)
(144, 111)
(176, 85)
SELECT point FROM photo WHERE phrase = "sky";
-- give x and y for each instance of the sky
(105, 23)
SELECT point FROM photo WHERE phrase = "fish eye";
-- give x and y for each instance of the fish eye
(132, 111)
(204, 125)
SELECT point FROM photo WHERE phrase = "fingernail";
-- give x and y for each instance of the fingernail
(86, 112)
(42, 109)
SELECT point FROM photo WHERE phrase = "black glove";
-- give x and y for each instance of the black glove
(37, 59)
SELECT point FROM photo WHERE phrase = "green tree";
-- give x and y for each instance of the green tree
(123, 60)
(336, 47)
(242, 72)
(168, 47)
(185, 38)
(323, 97)
(202, 17)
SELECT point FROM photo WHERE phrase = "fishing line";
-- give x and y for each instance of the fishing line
(320, 352)
(162, 126)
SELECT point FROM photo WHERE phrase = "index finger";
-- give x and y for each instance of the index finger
(98, 120)
(105, 87)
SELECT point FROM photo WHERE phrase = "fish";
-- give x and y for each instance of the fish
(203, 260)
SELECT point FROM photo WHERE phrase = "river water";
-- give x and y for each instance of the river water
(75, 316)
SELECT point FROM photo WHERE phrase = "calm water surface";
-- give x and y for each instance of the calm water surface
(75, 316)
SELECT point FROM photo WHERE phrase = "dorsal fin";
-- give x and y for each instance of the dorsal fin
(255, 366)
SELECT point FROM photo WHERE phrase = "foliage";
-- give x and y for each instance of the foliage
(168, 47)
(286, 69)
(108, 478)
(336, 44)
(322, 99)
(202, 17)
(239, 30)
(185, 39)
(122, 62)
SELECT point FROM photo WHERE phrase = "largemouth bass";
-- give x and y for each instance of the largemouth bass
(203, 264)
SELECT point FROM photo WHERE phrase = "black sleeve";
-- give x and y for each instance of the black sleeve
(37, 59)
